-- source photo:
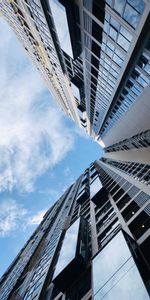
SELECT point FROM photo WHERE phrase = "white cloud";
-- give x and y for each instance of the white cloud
(11, 214)
(37, 218)
(33, 135)
(67, 171)
(15, 217)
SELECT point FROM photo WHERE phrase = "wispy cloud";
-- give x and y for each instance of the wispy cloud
(37, 218)
(67, 171)
(15, 217)
(33, 134)
(11, 216)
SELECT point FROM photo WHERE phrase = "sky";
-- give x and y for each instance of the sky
(41, 150)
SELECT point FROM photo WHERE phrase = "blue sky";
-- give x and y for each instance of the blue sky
(41, 151)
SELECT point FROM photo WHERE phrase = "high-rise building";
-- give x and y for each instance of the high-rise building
(94, 55)
(93, 243)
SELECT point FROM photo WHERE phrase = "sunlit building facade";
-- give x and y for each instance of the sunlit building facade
(93, 55)
(93, 243)
(28, 21)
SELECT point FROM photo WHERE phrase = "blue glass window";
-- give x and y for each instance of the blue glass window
(119, 6)
(138, 5)
(95, 187)
(130, 10)
(123, 42)
(67, 254)
(115, 274)
(131, 16)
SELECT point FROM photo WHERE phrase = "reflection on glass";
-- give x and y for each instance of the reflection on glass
(61, 23)
(138, 5)
(119, 6)
(130, 10)
(75, 90)
(131, 16)
(123, 42)
(95, 187)
(68, 248)
(115, 275)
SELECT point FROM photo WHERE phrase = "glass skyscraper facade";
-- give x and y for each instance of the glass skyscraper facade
(101, 69)
(93, 243)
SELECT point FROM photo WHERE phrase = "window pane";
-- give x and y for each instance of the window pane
(123, 42)
(131, 16)
(138, 5)
(113, 33)
(119, 6)
(95, 187)
(115, 275)
(68, 253)
(126, 34)
(115, 24)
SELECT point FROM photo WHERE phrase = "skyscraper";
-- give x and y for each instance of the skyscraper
(94, 55)
(92, 243)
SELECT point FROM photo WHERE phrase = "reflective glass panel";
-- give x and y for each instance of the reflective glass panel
(115, 275)
(95, 187)
(68, 249)
(131, 16)
(138, 5)
(60, 17)
(123, 42)
(119, 6)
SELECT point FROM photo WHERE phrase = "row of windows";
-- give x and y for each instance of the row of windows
(110, 48)
(26, 255)
(106, 51)
(44, 263)
(106, 221)
(139, 171)
(41, 27)
(129, 10)
(141, 140)
(133, 88)
(132, 203)
(38, 19)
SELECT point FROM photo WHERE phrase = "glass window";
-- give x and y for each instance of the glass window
(131, 16)
(115, 275)
(113, 33)
(119, 6)
(109, 52)
(123, 42)
(63, 35)
(68, 248)
(126, 33)
(138, 5)
(143, 80)
(106, 26)
(115, 24)
(109, 2)
(119, 53)
(117, 59)
(110, 45)
(95, 187)
(88, 4)
(147, 68)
